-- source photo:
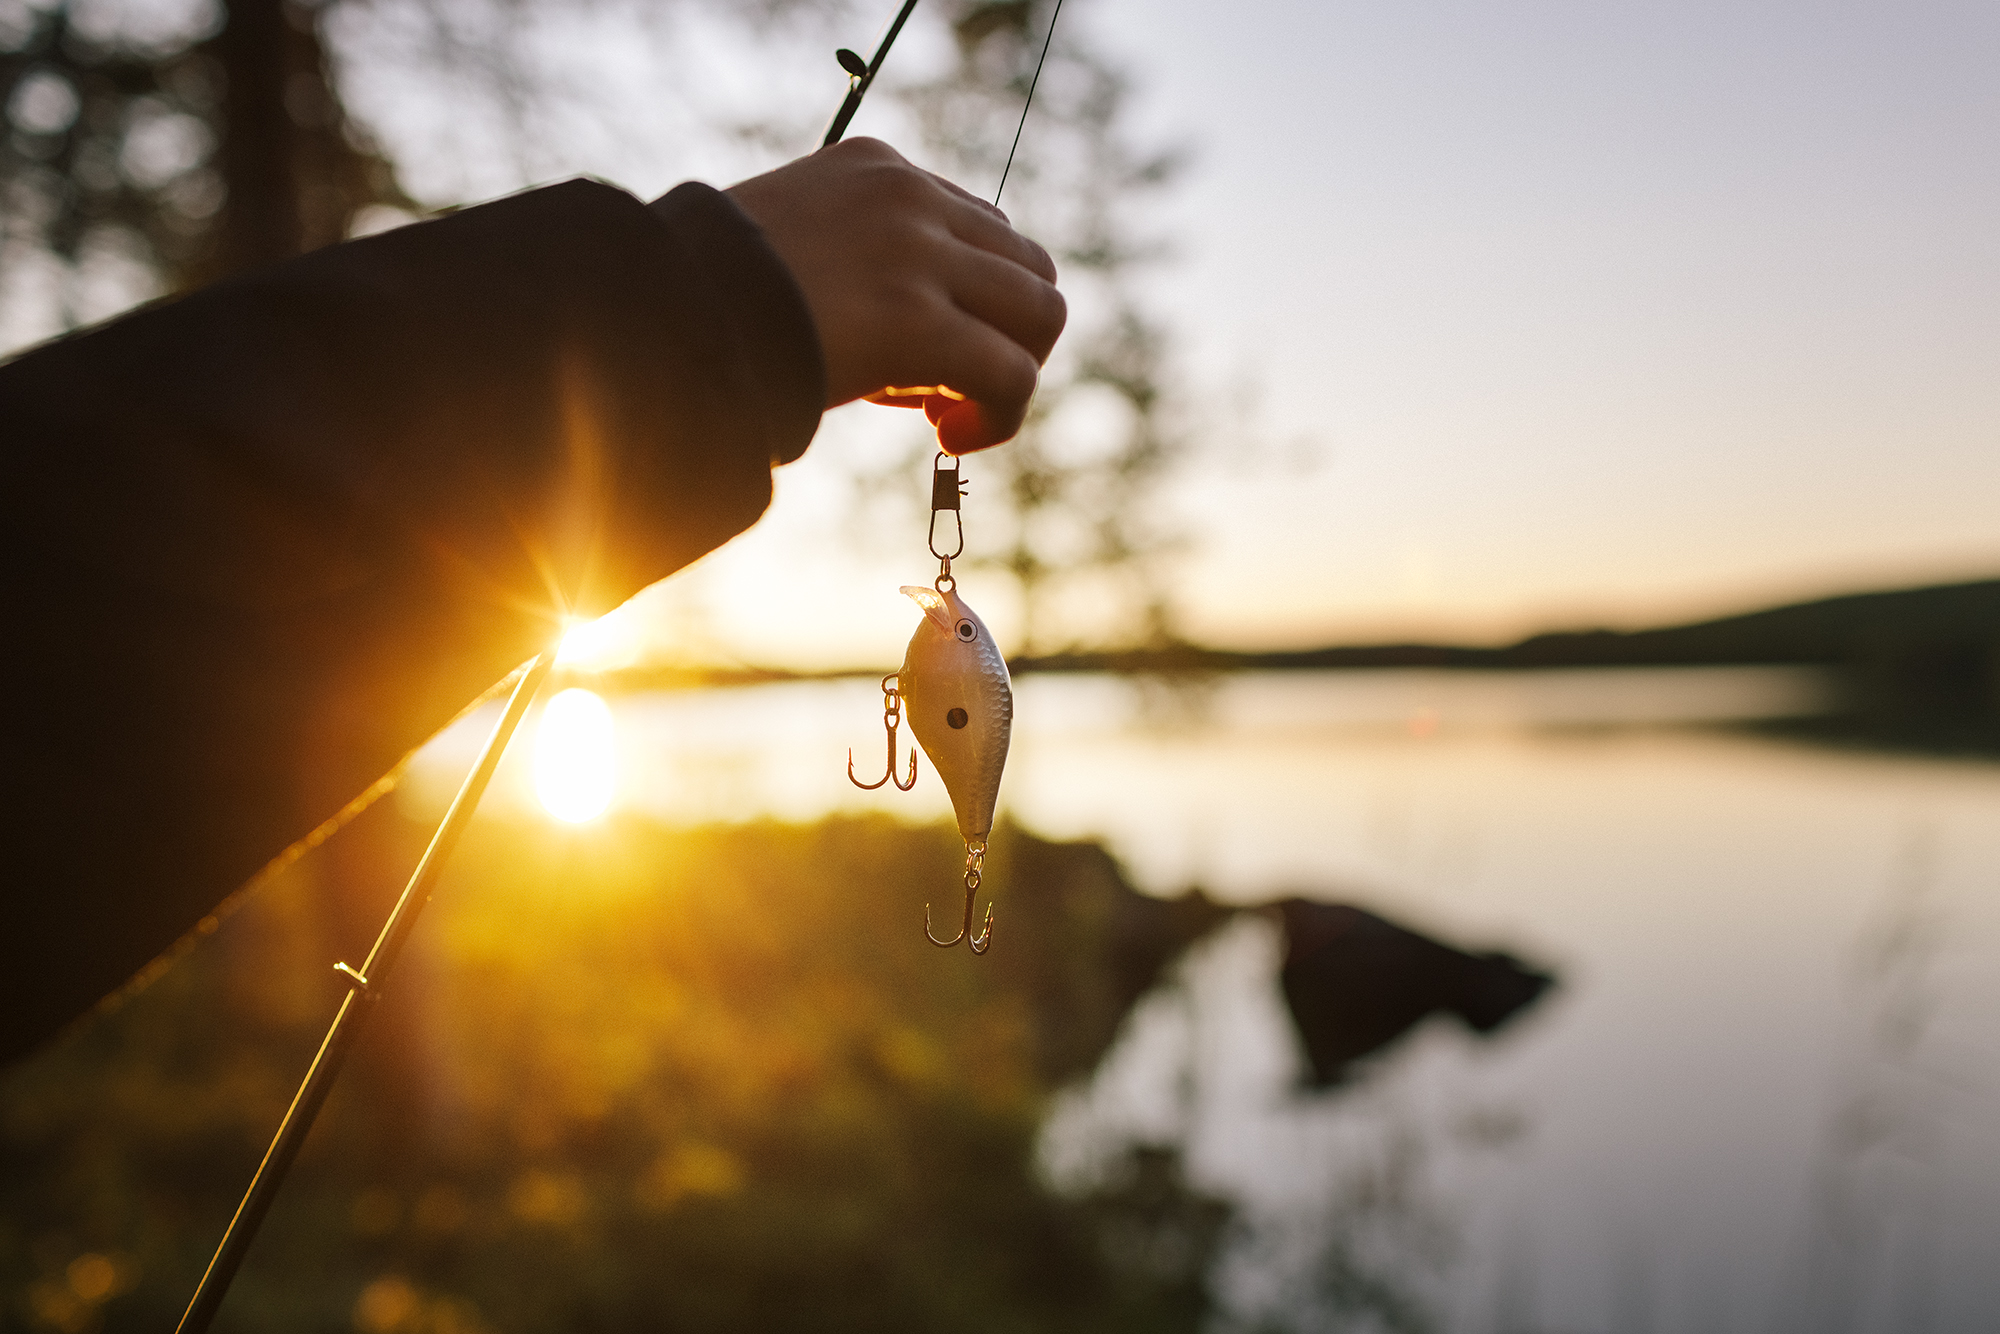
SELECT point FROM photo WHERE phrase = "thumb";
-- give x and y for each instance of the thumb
(963, 426)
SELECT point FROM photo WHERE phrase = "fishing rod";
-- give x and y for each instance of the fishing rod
(364, 984)
(861, 75)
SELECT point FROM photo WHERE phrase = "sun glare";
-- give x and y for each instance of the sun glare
(576, 757)
(607, 642)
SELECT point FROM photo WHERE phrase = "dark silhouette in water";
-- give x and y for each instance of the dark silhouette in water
(1355, 983)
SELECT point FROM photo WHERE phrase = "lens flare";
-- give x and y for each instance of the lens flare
(610, 641)
(576, 757)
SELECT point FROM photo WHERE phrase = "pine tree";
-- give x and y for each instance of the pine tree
(193, 150)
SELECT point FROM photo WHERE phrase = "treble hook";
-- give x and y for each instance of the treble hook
(975, 857)
(892, 717)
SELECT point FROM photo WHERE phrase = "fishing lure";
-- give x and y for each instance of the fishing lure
(954, 688)
(953, 681)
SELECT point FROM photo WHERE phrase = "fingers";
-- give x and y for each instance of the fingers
(975, 221)
(953, 188)
(1007, 321)
(896, 399)
(1024, 307)
(990, 231)
(984, 341)
(992, 318)
(964, 428)
(963, 425)
(912, 282)
(995, 373)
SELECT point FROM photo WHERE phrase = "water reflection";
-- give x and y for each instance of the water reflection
(1357, 1219)
(1266, 776)
(576, 765)
(1687, 1144)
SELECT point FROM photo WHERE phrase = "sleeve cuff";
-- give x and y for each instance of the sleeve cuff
(767, 319)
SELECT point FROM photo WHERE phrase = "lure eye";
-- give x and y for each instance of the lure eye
(956, 718)
(967, 633)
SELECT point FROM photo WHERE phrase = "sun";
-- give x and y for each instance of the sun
(576, 757)
(611, 641)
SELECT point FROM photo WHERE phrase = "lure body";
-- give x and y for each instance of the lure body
(960, 701)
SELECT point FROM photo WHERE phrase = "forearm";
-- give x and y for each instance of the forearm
(262, 541)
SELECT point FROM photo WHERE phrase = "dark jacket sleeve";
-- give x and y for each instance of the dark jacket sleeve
(261, 541)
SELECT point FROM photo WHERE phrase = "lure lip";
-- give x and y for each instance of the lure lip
(934, 603)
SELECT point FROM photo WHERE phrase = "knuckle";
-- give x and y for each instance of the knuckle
(926, 245)
(1005, 420)
(901, 185)
(1055, 312)
(910, 291)
(867, 149)
(934, 326)
(1006, 380)
(1023, 373)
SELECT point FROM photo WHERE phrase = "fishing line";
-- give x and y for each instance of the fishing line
(1046, 41)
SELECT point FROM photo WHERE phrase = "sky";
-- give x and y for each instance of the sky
(1487, 317)
(1557, 313)
(1600, 312)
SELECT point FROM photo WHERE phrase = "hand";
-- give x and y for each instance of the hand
(923, 295)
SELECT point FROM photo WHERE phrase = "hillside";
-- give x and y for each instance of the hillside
(1854, 629)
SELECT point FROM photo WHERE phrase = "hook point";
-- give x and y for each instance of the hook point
(978, 944)
(983, 942)
(867, 787)
(941, 944)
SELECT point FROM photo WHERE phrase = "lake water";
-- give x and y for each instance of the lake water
(1763, 1098)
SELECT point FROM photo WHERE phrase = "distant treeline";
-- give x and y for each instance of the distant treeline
(1953, 620)
(1921, 665)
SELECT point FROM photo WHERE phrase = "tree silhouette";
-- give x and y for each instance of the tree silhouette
(193, 148)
